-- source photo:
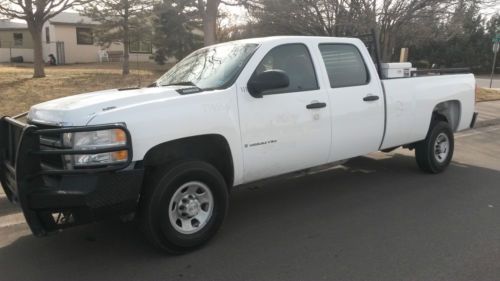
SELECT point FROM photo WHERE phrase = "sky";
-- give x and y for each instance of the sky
(238, 15)
(494, 9)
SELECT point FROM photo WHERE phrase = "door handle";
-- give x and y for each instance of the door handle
(316, 105)
(370, 98)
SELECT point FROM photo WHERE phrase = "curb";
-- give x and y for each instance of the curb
(486, 123)
(12, 219)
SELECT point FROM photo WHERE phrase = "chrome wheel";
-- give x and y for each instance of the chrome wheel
(441, 147)
(191, 207)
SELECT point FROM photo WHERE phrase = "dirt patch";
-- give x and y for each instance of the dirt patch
(19, 91)
(486, 94)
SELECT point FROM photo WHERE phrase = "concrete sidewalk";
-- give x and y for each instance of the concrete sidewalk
(489, 113)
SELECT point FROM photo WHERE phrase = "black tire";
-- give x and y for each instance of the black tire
(427, 160)
(159, 189)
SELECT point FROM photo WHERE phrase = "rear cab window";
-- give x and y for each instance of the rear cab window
(344, 64)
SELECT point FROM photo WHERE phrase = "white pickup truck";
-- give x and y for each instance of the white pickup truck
(224, 116)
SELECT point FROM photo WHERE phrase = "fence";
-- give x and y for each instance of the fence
(8, 50)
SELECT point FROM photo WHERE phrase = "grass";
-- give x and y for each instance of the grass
(19, 91)
(486, 94)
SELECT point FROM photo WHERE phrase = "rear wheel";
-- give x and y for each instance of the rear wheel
(183, 206)
(434, 154)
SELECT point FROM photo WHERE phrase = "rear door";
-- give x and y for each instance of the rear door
(356, 100)
(281, 132)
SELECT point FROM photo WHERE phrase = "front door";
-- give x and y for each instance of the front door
(60, 53)
(287, 129)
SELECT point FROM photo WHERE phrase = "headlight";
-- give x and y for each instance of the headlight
(96, 140)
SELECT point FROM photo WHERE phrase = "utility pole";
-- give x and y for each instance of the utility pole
(496, 47)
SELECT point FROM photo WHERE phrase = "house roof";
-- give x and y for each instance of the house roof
(62, 18)
(71, 19)
(9, 25)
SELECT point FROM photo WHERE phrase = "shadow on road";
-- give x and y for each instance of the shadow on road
(368, 220)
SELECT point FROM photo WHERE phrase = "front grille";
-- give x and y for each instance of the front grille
(50, 141)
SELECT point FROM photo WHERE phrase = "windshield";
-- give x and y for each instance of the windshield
(209, 68)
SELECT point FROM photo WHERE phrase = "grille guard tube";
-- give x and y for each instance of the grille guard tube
(20, 161)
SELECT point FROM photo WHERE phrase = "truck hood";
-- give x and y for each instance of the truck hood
(79, 109)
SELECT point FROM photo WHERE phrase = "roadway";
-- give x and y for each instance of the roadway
(374, 218)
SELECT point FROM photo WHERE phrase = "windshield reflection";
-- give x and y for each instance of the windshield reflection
(210, 68)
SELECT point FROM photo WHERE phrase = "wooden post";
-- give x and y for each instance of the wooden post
(403, 57)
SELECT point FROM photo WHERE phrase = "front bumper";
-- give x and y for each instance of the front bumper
(54, 198)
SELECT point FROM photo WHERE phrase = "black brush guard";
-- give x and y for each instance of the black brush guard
(46, 209)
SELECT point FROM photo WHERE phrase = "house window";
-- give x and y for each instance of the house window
(47, 35)
(144, 47)
(18, 39)
(84, 36)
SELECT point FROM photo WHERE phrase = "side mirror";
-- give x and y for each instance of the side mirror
(267, 80)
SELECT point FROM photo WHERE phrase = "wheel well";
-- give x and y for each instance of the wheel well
(213, 149)
(448, 111)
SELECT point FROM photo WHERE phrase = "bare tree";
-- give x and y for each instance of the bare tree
(312, 17)
(119, 21)
(393, 15)
(209, 10)
(36, 13)
(351, 17)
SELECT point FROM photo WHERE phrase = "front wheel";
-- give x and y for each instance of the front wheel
(183, 206)
(434, 154)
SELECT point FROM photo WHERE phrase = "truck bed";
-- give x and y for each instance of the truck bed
(411, 101)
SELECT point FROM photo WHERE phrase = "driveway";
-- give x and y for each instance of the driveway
(375, 218)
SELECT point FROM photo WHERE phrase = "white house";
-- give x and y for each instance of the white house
(15, 41)
(67, 36)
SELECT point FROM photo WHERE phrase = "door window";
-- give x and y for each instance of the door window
(295, 61)
(344, 65)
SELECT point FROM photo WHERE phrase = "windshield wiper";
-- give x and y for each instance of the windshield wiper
(185, 91)
(182, 83)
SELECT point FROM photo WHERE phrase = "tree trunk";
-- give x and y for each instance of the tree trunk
(386, 44)
(126, 45)
(126, 41)
(210, 22)
(38, 63)
(209, 31)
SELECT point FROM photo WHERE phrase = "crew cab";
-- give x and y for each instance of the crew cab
(224, 116)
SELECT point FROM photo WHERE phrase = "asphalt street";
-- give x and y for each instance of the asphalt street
(374, 218)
